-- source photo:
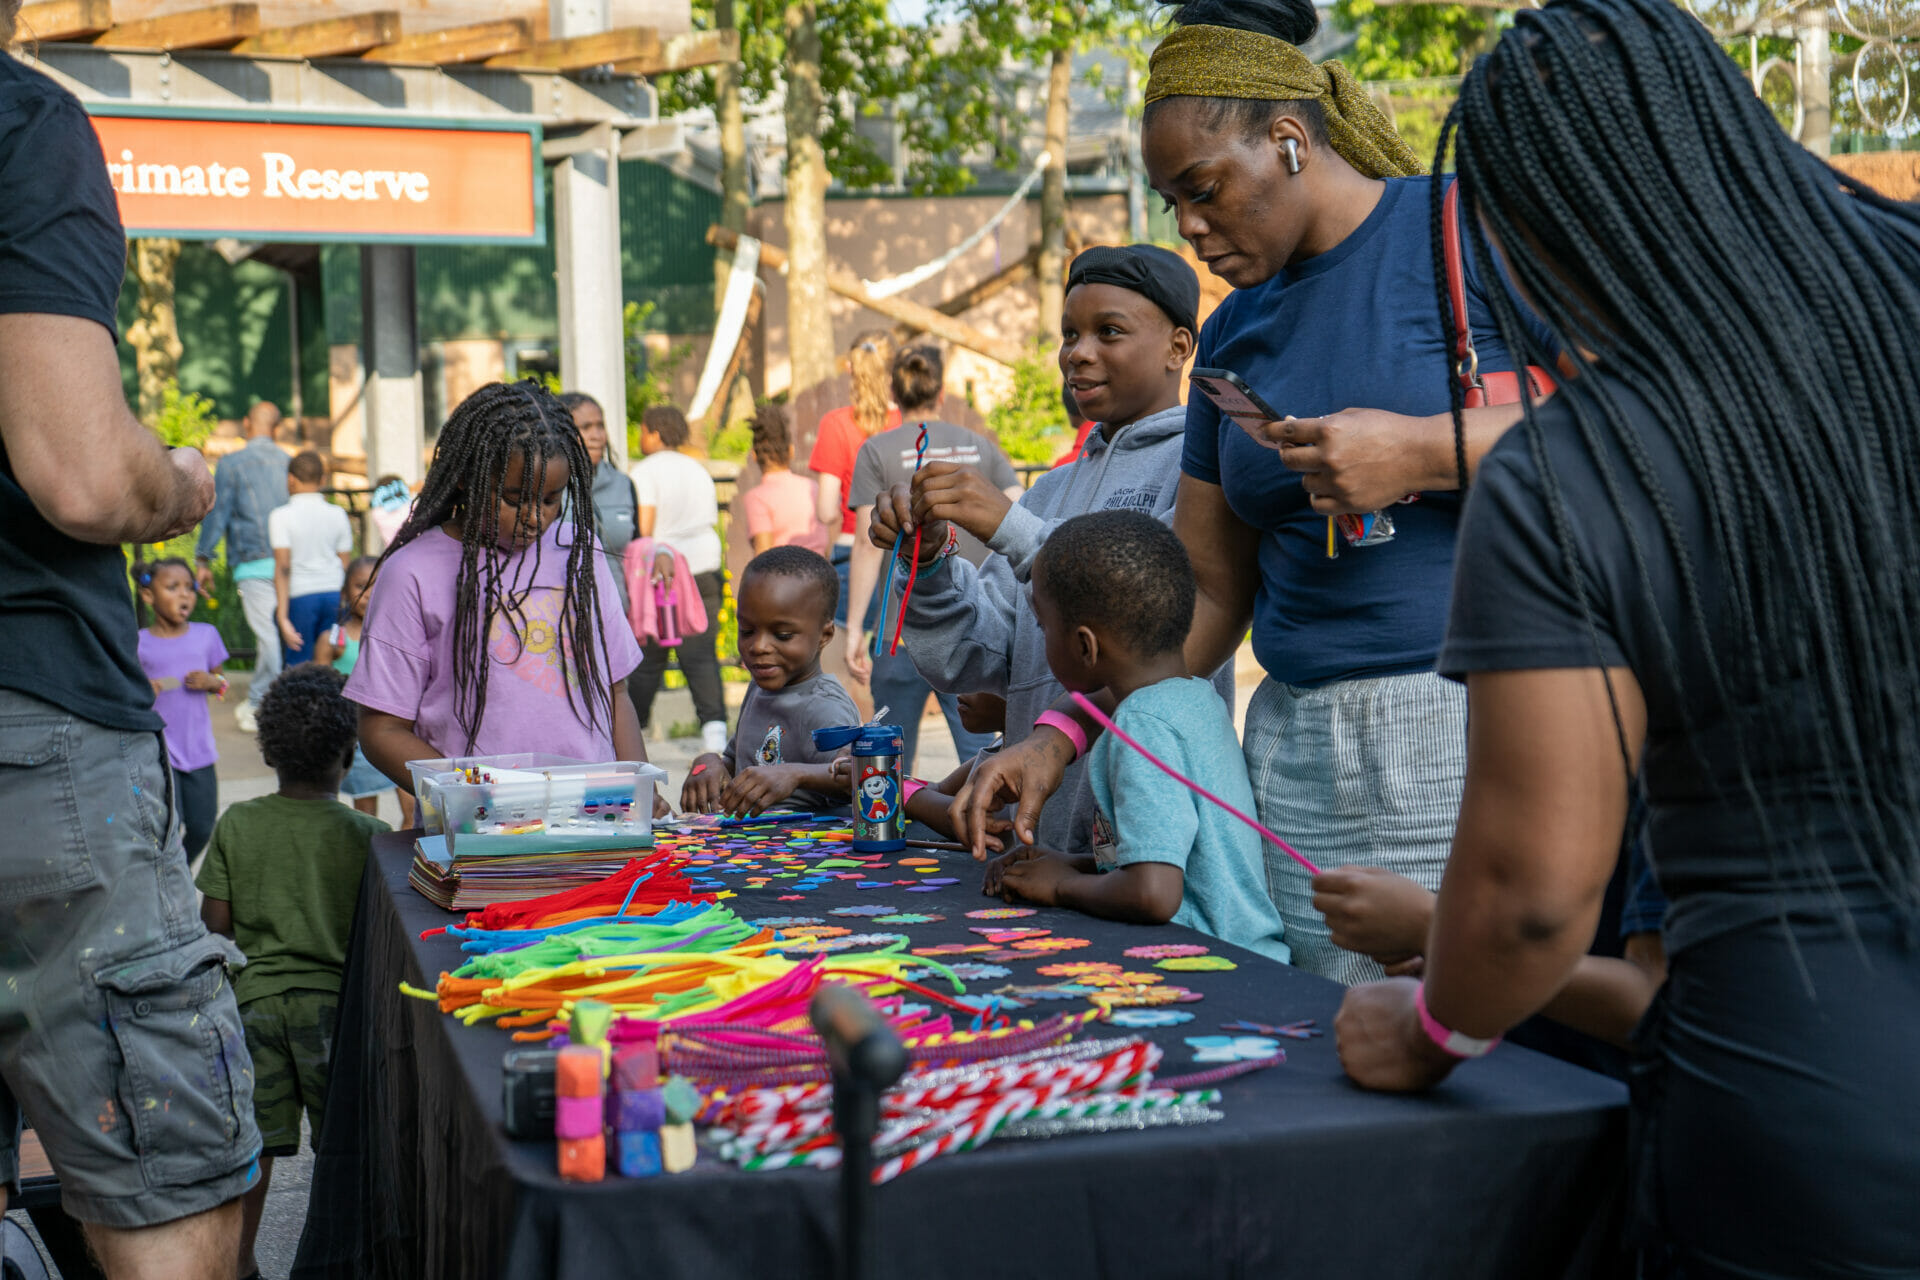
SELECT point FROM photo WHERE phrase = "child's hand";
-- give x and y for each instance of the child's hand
(1034, 875)
(203, 681)
(160, 686)
(1374, 911)
(709, 778)
(290, 638)
(761, 787)
(661, 809)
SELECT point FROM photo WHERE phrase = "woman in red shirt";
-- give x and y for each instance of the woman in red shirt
(842, 432)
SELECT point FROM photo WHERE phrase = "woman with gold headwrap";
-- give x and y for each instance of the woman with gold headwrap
(1293, 188)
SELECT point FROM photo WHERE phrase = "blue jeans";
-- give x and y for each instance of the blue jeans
(898, 686)
(312, 616)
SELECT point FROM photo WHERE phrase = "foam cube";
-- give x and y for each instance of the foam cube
(583, 1159)
(638, 1153)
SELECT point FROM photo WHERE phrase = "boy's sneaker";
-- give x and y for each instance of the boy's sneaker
(713, 736)
(243, 716)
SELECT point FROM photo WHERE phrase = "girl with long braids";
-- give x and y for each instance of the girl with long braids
(1693, 574)
(491, 627)
(1294, 188)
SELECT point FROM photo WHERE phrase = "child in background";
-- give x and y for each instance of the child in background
(182, 661)
(312, 541)
(780, 509)
(281, 879)
(493, 626)
(931, 803)
(339, 648)
(786, 602)
(1114, 594)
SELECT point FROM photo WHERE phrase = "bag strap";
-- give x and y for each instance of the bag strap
(1466, 360)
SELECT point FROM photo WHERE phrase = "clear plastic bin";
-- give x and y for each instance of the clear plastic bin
(531, 804)
(430, 818)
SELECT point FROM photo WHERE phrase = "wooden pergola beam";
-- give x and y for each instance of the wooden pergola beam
(577, 53)
(973, 295)
(684, 52)
(328, 38)
(926, 319)
(219, 26)
(65, 19)
(475, 42)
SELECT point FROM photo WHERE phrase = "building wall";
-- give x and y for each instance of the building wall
(881, 236)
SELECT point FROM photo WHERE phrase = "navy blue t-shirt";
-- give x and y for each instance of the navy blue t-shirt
(1357, 327)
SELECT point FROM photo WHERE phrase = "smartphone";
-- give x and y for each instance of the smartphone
(1235, 398)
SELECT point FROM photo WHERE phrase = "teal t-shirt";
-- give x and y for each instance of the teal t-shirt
(1145, 816)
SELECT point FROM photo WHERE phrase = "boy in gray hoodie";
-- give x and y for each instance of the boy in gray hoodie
(1127, 332)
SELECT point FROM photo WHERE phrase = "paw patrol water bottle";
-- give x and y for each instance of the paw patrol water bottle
(879, 820)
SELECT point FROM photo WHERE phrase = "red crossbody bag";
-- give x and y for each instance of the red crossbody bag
(1481, 388)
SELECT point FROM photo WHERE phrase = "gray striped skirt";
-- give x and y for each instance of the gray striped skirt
(1364, 772)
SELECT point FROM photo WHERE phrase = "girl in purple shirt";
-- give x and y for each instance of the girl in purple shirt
(489, 630)
(182, 661)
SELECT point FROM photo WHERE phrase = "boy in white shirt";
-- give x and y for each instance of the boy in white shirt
(312, 541)
(679, 510)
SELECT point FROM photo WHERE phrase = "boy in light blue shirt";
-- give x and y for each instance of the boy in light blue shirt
(1114, 595)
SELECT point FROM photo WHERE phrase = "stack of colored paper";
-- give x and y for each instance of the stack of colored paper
(471, 881)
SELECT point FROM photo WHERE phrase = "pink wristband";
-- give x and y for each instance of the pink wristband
(909, 788)
(1457, 1043)
(1068, 725)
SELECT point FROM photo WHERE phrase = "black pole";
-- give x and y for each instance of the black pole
(865, 1057)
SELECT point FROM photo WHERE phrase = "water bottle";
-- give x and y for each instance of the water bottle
(879, 803)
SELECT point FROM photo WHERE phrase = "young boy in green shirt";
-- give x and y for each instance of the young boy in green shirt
(281, 877)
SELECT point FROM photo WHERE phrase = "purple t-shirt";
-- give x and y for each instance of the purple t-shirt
(189, 723)
(406, 651)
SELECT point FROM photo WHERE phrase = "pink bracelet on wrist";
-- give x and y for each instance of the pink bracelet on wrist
(1456, 1043)
(1066, 724)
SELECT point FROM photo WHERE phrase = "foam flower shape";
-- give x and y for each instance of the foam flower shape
(1051, 944)
(998, 934)
(1148, 1017)
(1232, 1048)
(953, 949)
(1075, 968)
(973, 971)
(1165, 951)
(1197, 964)
(908, 917)
(999, 913)
(862, 911)
(786, 922)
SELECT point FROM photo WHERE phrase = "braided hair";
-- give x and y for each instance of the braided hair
(491, 427)
(1764, 309)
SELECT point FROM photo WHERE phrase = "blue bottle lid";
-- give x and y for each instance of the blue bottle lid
(867, 739)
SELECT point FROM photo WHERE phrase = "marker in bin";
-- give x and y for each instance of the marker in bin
(1234, 398)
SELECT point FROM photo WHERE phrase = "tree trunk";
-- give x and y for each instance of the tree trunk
(155, 334)
(1053, 194)
(733, 204)
(809, 315)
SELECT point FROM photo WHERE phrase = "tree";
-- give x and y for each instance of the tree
(154, 334)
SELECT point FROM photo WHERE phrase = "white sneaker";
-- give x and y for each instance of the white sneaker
(243, 716)
(713, 736)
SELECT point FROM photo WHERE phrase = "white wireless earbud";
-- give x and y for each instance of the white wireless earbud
(1293, 154)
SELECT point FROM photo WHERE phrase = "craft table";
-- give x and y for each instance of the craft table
(1513, 1168)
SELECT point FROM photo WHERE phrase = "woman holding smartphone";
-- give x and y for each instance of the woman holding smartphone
(1294, 189)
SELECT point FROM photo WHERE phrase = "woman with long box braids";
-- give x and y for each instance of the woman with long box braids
(487, 632)
(1693, 573)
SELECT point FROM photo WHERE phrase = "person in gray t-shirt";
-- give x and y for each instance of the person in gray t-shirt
(786, 599)
(884, 461)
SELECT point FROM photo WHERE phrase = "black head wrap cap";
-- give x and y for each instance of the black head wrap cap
(1161, 277)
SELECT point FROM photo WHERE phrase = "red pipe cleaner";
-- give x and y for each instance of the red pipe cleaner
(913, 570)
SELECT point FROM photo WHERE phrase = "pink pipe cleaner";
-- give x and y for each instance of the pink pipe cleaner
(1106, 723)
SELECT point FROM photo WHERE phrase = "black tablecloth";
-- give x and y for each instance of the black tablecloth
(1514, 1167)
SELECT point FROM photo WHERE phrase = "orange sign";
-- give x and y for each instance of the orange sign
(281, 181)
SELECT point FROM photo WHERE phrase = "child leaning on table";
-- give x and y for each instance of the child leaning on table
(785, 603)
(1114, 595)
(281, 878)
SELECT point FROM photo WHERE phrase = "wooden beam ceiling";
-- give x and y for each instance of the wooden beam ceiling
(475, 43)
(684, 52)
(65, 19)
(328, 38)
(219, 26)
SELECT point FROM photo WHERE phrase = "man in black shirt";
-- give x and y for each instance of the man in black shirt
(119, 1038)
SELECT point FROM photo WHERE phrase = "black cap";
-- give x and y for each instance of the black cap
(1158, 275)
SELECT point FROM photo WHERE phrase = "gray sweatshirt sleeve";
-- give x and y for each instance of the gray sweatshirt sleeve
(960, 625)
